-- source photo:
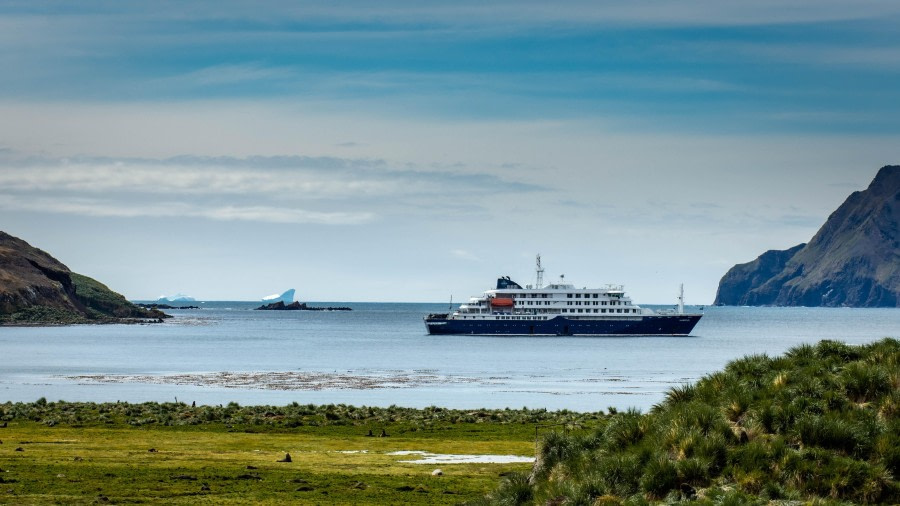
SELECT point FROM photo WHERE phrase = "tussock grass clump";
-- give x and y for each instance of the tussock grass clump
(819, 424)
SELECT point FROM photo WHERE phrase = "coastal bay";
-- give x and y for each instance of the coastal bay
(379, 355)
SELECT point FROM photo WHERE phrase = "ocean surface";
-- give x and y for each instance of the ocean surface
(379, 355)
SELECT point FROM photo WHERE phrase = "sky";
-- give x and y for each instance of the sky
(414, 151)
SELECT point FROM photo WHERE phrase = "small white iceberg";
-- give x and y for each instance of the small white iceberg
(178, 297)
(286, 297)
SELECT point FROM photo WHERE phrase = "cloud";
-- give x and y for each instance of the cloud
(395, 14)
(273, 189)
(229, 74)
(175, 209)
(266, 176)
(465, 255)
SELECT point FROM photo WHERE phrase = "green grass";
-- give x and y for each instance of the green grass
(104, 303)
(81, 453)
(817, 425)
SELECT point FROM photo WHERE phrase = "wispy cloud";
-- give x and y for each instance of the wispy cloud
(465, 255)
(285, 15)
(309, 177)
(274, 189)
(177, 209)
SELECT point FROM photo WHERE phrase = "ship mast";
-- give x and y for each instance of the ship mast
(540, 273)
(681, 299)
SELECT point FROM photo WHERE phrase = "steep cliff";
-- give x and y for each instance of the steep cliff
(853, 260)
(36, 288)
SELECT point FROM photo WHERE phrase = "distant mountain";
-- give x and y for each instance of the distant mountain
(853, 260)
(36, 288)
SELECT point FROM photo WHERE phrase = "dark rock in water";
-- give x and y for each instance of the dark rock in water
(297, 306)
(36, 288)
(164, 306)
(853, 260)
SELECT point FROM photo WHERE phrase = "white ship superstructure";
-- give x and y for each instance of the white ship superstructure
(510, 308)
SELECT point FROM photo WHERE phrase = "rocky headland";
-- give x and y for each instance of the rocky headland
(37, 289)
(853, 260)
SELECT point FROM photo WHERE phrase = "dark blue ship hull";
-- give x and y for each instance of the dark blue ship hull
(647, 325)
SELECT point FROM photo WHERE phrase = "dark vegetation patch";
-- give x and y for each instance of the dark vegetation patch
(818, 424)
(337, 418)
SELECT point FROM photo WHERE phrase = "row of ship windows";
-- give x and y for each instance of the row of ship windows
(599, 311)
(578, 303)
(548, 296)
(564, 311)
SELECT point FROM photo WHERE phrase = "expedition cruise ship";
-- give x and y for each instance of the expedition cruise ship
(560, 309)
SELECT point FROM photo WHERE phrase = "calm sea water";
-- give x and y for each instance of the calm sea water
(379, 354)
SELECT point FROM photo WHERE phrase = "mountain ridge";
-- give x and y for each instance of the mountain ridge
(853, 260)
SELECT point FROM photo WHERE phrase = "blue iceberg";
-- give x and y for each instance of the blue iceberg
(286, 297)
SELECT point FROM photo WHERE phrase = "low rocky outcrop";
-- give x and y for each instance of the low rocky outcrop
(163, 306)
(853, 260)
(36, 288)
(297, 306)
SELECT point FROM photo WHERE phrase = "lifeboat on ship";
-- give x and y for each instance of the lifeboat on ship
(502, 302)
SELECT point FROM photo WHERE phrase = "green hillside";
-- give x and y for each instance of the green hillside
(819, 424)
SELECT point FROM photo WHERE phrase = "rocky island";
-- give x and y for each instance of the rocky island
(853, 260)
(298, 306)
(37, 289)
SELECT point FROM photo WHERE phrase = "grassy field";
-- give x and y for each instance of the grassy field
(81, 453)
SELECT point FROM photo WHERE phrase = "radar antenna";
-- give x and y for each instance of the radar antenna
(540, 273)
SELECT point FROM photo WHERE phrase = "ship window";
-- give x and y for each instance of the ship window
(577, 295)
(569, 295)
(595, 295)
(603, 310)
(581, 310)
